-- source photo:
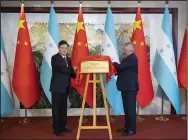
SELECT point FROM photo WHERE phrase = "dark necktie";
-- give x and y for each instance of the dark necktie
(65, 60)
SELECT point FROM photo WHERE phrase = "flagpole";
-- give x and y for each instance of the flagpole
(166, 1)
(185, 117)
(84, 117)
(138, 118)
(162, 117)
(51, 2)
(109, 110)
(139, 2)
(80, 2)
(25, 120)
(109, 2)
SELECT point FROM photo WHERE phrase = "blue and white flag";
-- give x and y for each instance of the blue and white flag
(164, 66)
(7, 102)
(109, 47)
(50, 49)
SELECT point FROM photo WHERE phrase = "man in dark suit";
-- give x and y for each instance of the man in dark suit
(62, 72)
(127, 83)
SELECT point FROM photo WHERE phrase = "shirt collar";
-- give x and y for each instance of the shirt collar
(128, 56)
(64, 56)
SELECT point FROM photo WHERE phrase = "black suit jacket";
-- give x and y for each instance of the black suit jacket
(61, 74)
(127, 79)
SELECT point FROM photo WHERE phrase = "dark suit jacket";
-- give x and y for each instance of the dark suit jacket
(127, 79)
(61, 74)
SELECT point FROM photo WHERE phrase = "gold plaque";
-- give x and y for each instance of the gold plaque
(94, 67)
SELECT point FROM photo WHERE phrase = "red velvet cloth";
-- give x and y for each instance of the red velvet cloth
(112, 70)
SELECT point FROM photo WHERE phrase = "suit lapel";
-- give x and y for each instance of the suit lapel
(127, 58)
(61, 59)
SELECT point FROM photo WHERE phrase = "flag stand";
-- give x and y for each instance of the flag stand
(25, 120)
(138, 118)
(1, 123)
(185, 117)
(94, 81)
(162, 117)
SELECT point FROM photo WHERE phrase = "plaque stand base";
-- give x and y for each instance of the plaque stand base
(94, 126)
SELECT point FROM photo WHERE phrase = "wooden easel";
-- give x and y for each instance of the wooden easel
(94, 81)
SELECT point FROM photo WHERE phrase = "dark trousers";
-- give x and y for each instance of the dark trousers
(59, 111)
(129, 104)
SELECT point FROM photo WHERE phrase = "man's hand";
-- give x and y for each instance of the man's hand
(115, 63)
(75, 68)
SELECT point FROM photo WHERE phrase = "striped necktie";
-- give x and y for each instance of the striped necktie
(65, 60)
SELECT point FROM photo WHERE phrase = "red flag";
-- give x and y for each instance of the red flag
(145, 94)
(182, 67)
(80, 51)
(25, 82)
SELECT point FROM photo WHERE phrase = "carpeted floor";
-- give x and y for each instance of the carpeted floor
(40, 128)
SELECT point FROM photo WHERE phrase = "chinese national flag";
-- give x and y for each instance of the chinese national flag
(145, 94)
(183, 63)
(25, 82)
(80, 51)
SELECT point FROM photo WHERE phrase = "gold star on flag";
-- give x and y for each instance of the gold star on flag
(142, 43)
(20, 25)
(79, 26)
(86, 45)
(134, 42)
(18, 42)
(26, 43)
(137, 24)
(79, 43)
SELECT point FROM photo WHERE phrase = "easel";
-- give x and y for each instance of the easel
(94, 81)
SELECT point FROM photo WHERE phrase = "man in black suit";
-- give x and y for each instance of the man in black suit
(62, 72)
(127, 83)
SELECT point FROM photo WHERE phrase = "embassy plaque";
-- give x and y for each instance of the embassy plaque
(94, 67)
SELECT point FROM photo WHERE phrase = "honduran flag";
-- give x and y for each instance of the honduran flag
(164, 66)
(109, 47)
(51, 48)
(7, 102)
